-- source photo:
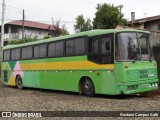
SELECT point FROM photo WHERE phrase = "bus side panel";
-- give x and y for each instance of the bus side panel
(31, 79)
(103, 81)
(7, 74)
(52, 79)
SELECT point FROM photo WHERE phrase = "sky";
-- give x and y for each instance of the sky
(67, 10)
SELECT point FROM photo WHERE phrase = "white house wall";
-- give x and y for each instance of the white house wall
(28, 32)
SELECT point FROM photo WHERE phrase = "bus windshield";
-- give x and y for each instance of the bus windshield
(132, 46)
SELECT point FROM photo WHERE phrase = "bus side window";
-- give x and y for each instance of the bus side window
(6, 55)
(70, 47)
(106, 49)
(36, 51)
(93, 50)
(43, 51)
(15, 54)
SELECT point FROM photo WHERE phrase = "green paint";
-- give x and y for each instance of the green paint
(12, 64)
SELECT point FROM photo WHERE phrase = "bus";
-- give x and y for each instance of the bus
(111, 62)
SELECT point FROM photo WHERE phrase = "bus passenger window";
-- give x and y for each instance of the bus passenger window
(59, 49)
(24, 53)
(93, 50)
(43, 50)
(36, 51)
(70, 47)
(80, 46)
(106, 49)
(52, 49)
(15, 54)
(6, 55)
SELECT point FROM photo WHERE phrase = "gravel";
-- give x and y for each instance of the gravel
(13, 99)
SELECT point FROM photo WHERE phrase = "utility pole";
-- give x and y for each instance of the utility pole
(2, 26)
(2, 33)
(23, 26)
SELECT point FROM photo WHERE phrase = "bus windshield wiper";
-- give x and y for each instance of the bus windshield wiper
(149, 58)
(135, 60)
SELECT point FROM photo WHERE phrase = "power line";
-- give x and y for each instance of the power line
(14, 7)
(20, 10)
(43, 21)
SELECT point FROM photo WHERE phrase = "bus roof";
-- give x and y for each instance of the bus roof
(86, 33)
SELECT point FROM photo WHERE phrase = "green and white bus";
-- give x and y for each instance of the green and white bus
(108, 62)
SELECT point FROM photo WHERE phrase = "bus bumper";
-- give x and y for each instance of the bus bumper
(137, 87)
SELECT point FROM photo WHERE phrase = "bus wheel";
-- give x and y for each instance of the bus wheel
(88, 87)
(19, 82)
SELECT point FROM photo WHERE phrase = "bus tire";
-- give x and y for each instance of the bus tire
(87, 87)
(19, 82)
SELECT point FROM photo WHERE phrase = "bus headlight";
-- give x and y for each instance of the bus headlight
(127, 88)
(135, 87)
(155, 84)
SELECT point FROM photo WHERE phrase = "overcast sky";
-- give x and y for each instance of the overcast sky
(68, 10)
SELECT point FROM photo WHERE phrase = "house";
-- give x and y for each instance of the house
(13, 29)
(149, 23)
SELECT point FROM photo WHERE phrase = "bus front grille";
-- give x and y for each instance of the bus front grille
(143, 73)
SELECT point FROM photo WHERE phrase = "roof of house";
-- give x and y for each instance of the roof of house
(30, 24)
(142, 20)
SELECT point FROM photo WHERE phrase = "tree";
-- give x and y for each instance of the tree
(108, 17)
(64, 30)
(55, 30)
(82, 24)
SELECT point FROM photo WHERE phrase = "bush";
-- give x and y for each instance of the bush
(21, 41)
(47, 37)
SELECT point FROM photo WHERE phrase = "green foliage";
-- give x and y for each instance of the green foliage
(20, 41)
(47, 37)
(108, 17)
(64, 31)
(82, 24)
